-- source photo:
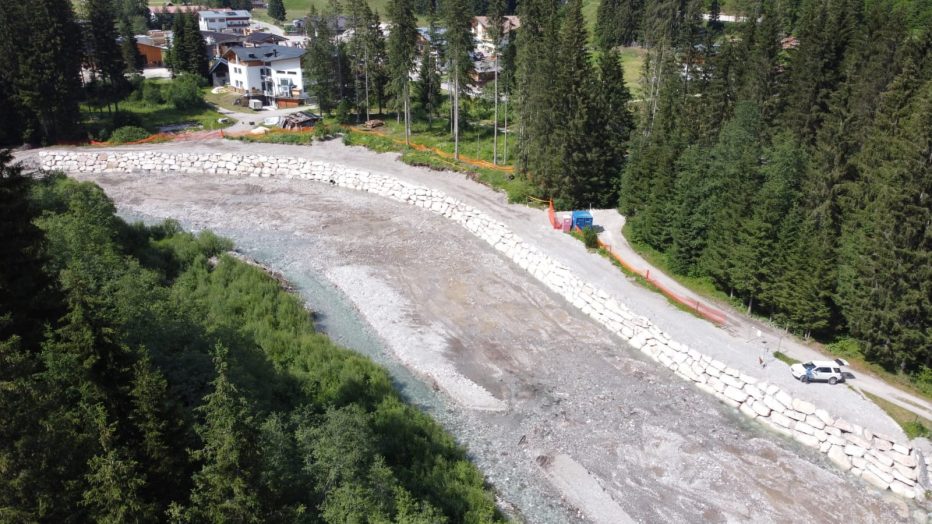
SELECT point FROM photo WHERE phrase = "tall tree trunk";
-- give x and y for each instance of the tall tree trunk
(368, 116)
(407, 119)
(495, 126)
(505, 138)
(456, 112)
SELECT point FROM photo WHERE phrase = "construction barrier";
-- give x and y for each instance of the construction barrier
(475, 162)
(703, 310)
(167, 137)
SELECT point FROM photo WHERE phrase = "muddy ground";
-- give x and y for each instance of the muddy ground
(566, 421)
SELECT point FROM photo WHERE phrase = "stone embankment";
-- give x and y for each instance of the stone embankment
(873, 457)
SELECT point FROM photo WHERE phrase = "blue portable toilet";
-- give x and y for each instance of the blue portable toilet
(582, 219)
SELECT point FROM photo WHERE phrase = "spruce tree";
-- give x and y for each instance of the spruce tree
(319, 62)
(105, 54)
(179, 56)
(276, 10)
(581, 177)
(226, 487)
(536, 96)
(198, 63)
(45, 77)
(884, 276)
(496, 33)
(402, 42)
(459, 47)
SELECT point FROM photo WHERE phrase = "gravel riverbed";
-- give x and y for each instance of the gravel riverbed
(566, 421)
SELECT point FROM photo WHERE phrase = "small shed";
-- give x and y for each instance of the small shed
(582, 219)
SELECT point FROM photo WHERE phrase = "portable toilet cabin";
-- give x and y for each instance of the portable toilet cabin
(582, 219)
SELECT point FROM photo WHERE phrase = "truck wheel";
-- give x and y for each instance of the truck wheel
(833, 381)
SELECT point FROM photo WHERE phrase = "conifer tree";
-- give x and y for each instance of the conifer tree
(197, 63)
(105, 54)
(535, 94)
(44, 70)
(579, 133)
(276, 10)
(320, 62)
(428, 85)
(402, 42)
(179, 54)
(884, 276)
(459, 47)
(226, 487)
(496, 33)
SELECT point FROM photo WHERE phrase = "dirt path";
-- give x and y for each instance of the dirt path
(771, 338)
(590, 429)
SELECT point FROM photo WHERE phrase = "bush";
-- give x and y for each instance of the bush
(128, 134)
(124, 119)
(152, 93)
(324, 131)
(185, 92)
(590, 238)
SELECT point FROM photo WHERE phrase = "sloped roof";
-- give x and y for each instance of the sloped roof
(264, 37)
(266, 53)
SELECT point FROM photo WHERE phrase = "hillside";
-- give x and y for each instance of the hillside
(145, 373)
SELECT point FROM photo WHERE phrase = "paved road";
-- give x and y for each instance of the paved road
(744, 326)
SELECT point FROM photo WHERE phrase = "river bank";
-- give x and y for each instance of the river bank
(573, 401)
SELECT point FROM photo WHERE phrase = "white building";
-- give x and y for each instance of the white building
(480, 32)
(272, 72)
(228, 20)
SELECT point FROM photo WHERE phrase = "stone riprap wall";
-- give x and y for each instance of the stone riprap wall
(873, 457)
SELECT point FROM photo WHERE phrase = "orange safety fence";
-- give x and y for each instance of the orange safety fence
(297, 131)
(476, 162)
(703, 310)
(167, 137)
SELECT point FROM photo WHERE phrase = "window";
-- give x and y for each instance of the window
(292, 72)
(823, 370)
(239, 83)
(280, 72)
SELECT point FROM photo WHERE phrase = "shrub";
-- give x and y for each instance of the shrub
(123, 119)
(185, 92)
(152, 93)
(343, 114)
(590, 238)
(324, 131)
(128, 134)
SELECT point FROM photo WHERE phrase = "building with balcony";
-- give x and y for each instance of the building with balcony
(271, 73)
(224, 21)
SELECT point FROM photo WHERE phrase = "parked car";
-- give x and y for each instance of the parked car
(820, 371)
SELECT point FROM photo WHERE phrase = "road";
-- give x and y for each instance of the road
(746, 327)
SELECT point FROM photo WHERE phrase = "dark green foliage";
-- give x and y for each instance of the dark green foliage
(402, 48)
(152, 92)
(590, 238)
(174, 382)
(277, 10)
(103, 52)
(320, 63)
(185, 92)
(794, 176)
(188, 53)
(40, 59)
(618, 22)
(128, 134)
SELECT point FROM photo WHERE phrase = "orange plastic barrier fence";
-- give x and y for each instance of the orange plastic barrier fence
(485, 164)
(168, 137)
(703, 310)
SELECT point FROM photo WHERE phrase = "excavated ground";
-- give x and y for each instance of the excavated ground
(566, 421)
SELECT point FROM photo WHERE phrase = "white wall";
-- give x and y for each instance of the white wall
(281, 70)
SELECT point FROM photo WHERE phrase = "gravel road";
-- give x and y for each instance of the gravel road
(573, 406)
